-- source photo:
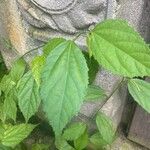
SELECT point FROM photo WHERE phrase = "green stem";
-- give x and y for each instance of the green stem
(32, 50)
(111, 94)
(78, 35)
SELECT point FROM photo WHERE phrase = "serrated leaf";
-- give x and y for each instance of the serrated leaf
(95, 93)
(17, 70)
(52, 44)
(15, 134)
(140, 91)
(28, 96)
(118, 48)
(98, 140)
(36, 67)
(65, 80)
(7, 84)
(82, 141)
(62, 144)
(92, 65)
(106, 128)
(10, 108)
(74, 131)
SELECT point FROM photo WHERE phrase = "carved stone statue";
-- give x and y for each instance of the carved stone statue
(53, 18)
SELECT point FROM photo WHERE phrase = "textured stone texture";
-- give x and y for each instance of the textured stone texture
(137, 13)
(44, 22)
(70, 17)
(80, 17)
(29, 23)
(123, 144)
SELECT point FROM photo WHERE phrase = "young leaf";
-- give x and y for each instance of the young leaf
(117, 47)
(106, 128)
(82, 141)
(7, 84)
(64, 84)
(17, 70)
(98, 140)
(95, 93)
(15, 134)
(36, 67)
(140, 91)
(62, 144)
(92, 65)
(52, 44)
(74, 131)
(10, 108)
(28, 96)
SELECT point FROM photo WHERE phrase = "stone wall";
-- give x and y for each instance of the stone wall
(27, 23)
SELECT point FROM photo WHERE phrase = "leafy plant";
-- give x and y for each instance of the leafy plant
(60, 80)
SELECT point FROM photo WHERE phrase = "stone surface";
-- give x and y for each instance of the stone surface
(137, 13)
(31, 21)
(44, 21)
(85, 12)
(140, 127)
(122, 143)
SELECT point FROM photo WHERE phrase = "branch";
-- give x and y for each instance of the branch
(111, 94)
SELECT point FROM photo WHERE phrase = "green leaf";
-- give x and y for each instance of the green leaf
(9, 97)
(2, 130)
(3, 68)
(28, 96)
(2, 115)
(106, 128)
(7, 84)
(140, 91)
(62, 144)
(74, 131)
(92, 65)
(98, 140)
(65, 80)
(15, 134)
(10, 108)
(95, 93)
(9, 81)
(52, 44)
(82, 141)
(2, 147)
(36, 67)
(17, 70)
(118, 48)
(40, 147)
(21, 146)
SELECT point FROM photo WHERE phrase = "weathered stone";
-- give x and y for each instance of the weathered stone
(122, 143)
(32, 21)
(137, 13)
(43, 21)
(75, 17)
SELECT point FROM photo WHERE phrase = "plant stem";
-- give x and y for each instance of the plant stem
(32, 50)
(46, 42)
(78, 35)
(111, 94)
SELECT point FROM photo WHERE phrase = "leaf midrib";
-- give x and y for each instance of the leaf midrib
(66, 80)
